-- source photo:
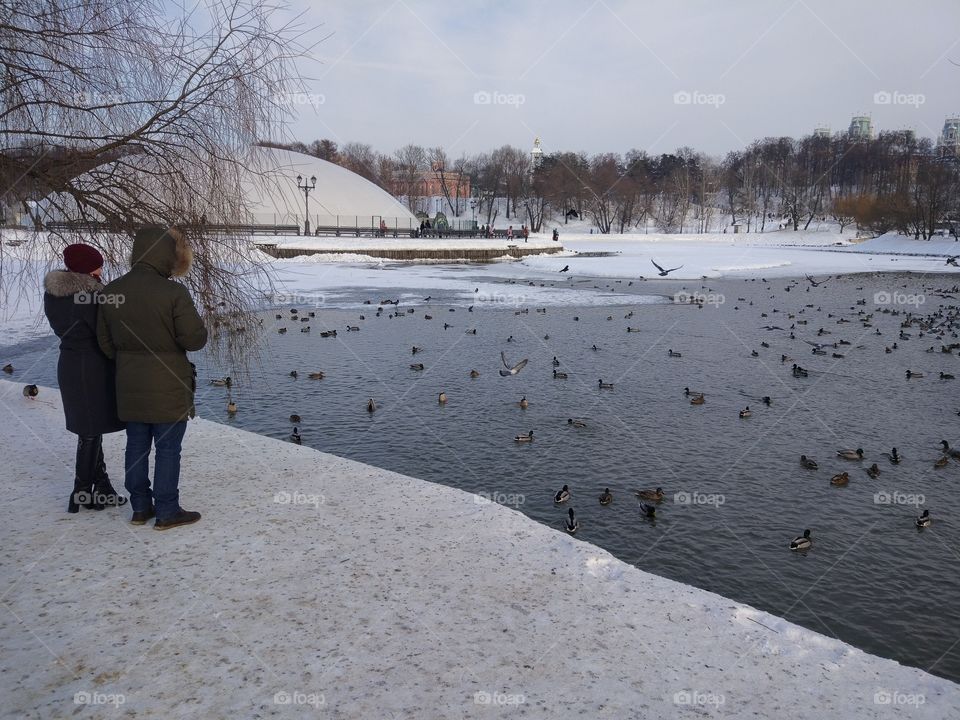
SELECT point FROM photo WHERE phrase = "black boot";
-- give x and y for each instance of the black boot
(88, 449)
(102, 486)
(73, 506)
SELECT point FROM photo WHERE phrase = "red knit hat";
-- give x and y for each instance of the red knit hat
(80, 258)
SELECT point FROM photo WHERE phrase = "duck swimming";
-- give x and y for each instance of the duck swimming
(559, 375)
(572, 524)
(222, 382)
(295, 419)
(942, 462)
(841, 479)
(873, 471)
(474, 373)
(295, 436)
(911, 374)
(851, 454)
(605, 386)
(416, 366)
(371, 405)
(524, 403)
(924, 520)
(947, 450)
(606, 497)
(231, 408)
(652, 495)
(803, 542)
(316, 376)
(894, 456)
(576, 423)
(649, 511)
(808, 463)
(528, 437)
(698, 400)
(671, 353)
(746, 412)
(442, 398)
(562, 495)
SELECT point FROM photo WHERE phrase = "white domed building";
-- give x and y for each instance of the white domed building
(337, 197)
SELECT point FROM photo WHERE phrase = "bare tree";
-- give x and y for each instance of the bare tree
(363, 160)
(113, 114)
(411, 163)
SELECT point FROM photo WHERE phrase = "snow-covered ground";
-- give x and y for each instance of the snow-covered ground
(297, 242)
(322, 586)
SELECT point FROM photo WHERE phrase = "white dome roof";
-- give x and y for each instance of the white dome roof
(340, 197)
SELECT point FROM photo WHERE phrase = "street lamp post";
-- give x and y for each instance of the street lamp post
(306, 187)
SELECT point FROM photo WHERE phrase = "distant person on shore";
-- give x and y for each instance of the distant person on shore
(556, 235)
(71, 300)
(526, 233)
(510, 233)
(149, 335)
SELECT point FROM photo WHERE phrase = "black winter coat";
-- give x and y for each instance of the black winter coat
(86, 376)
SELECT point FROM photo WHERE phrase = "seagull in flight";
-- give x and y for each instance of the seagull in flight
(566, 268)
(953, 260)
(511, 370)
(663, 273)
(814, 283)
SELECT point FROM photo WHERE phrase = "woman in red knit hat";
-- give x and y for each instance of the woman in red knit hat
(85, 375)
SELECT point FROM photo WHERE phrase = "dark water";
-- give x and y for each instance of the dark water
(871, 579)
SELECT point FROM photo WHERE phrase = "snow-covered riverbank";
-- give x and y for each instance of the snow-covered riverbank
(359, 593)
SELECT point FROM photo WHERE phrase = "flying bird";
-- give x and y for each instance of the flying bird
(566, 268)
(815, 283)
(664, 273)
(511, 370)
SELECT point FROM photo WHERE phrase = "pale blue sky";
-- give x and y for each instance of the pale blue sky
(603, 76)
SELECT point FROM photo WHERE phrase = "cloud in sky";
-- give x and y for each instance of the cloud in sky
(605, 75)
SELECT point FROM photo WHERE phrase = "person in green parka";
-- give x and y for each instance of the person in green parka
(148, 332)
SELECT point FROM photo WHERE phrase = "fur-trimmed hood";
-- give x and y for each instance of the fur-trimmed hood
(165, 250)
(62, 283)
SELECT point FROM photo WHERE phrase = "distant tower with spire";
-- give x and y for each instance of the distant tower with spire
(536, 155)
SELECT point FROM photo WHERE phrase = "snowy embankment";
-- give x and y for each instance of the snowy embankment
(772, 254)
(348, 243)
(313, 580)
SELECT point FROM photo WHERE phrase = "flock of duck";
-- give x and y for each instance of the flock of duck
(941, 324)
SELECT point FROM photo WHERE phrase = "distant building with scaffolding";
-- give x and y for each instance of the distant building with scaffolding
(861, 128)
(949, 142)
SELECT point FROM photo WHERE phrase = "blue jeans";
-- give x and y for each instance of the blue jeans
(167, 437)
